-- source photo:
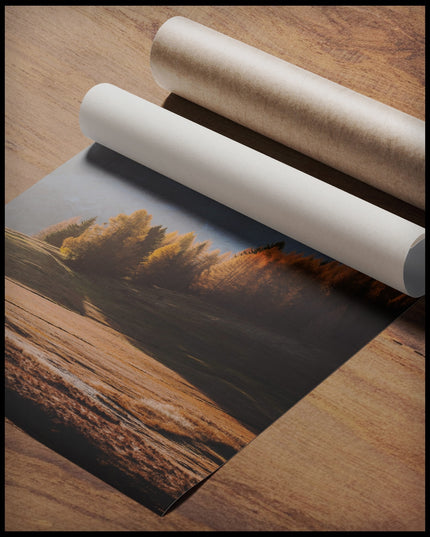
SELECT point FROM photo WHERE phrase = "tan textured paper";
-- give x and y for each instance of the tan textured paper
(335, 125)
(346, 228)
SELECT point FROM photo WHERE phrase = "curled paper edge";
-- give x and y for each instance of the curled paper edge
(348, 229)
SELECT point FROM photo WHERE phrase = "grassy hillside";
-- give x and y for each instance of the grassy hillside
(39, 265)
(153, 388)
(253, 372)
(241, 367)
(83, 389)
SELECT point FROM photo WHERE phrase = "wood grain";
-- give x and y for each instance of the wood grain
(350, 455)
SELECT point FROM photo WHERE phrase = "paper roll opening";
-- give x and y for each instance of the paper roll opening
(414, 272)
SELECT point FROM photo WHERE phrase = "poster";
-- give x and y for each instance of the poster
(152, 333)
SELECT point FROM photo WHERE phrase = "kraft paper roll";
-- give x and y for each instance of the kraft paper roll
(335, 125)
(359, 234)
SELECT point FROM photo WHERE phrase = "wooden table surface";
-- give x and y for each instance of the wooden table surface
(350, 455)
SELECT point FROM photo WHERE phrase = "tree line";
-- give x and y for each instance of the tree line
(265, 281)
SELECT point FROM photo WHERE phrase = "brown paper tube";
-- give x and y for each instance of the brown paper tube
(348, 131)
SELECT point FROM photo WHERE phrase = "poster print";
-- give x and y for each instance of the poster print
(151, 333)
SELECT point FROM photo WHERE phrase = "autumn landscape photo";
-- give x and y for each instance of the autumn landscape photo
(152, 333)
(150, 358)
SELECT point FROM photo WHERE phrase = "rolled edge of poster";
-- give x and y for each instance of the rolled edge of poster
(346, 130)
(356, 233)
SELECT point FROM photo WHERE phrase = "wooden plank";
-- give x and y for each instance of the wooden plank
(350, 456)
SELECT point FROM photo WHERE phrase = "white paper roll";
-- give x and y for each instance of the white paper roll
(356, 233)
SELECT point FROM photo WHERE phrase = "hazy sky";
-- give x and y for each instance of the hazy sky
(99, 182)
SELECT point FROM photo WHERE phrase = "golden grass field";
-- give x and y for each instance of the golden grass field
(153, 389)
(87, 389)
(136, 417)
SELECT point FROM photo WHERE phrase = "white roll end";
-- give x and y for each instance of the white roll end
(414, 269)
